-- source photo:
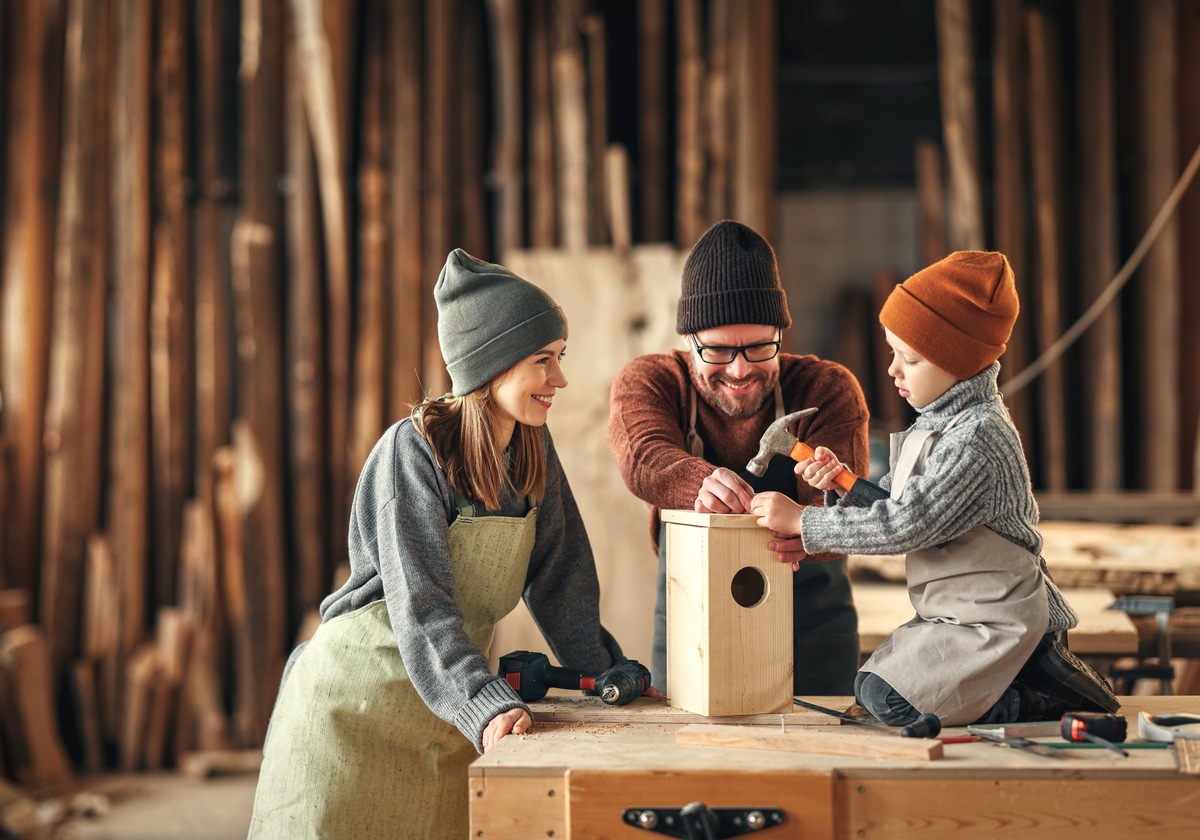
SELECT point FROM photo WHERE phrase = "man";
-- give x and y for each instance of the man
(683, 425)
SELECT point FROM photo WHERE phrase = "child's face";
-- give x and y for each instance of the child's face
(918, 380)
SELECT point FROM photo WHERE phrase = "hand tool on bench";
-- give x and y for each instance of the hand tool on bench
(1098, 729)
(1023, 744)
(531, 675)
(926, 726)
(777, 440)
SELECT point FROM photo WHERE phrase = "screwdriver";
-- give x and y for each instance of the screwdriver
(1101, 730)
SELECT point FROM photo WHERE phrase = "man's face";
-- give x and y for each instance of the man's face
(739, 387)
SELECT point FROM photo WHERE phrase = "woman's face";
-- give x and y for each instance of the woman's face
(525, 392)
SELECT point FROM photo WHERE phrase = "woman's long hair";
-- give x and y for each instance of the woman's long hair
(460, 432)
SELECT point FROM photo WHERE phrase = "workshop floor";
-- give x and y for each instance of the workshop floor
(165, 806)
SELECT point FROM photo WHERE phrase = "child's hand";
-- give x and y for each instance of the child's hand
(777, 512)
(820, 470)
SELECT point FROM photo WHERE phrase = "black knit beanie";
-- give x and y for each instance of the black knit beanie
(489, 319)
(731, 277)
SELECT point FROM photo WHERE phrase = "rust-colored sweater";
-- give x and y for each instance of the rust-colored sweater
(648, 419)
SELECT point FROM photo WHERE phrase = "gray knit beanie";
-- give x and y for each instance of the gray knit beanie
(489, 319)
(731, 277)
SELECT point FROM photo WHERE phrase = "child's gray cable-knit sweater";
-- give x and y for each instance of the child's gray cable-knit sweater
(975, 474)
(399, 552)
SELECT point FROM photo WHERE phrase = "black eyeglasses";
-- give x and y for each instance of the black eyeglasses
(721, 355)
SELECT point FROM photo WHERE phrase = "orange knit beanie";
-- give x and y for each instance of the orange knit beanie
(958, 313)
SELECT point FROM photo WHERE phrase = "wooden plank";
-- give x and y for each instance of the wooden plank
(960, 119)
(471, 139)
(170, 328)
(543, 814)
(85, 700)
(206, 764)
(717, 131)
(652, 114)
(616, 172)
(595, 52)
(1049, 467)
(931, 201)
(102, 629)
(367, 413)
(31, 196)
(753, 75)
(407, 222)
(1131, 507)
(543, 225)
(505, 26)
(256, 434)
(309, 484)
(320, 55)
(439, 177)
(1189, 246)
(126, 551)
(570, 124)
(15, 608)
(75, 397)
(140, 669)
(1010, 206)
(25, 659)
(648, 710)
(808, 741)
(1098, 239)
(1157, 283)
(691, 221)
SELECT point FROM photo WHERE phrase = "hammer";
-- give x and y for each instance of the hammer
(778, 441)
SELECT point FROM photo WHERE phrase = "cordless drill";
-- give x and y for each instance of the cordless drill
(531, 675)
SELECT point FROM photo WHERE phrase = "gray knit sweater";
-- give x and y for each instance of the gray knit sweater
(975, 474)
(399, 552)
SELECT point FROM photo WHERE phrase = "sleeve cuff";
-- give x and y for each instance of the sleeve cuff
(494, 698)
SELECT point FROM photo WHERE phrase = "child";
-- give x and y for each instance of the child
(986, 643)
(461, 509)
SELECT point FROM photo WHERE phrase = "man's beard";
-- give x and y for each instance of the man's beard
(724, 400)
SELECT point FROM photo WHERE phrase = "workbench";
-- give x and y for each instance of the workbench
(584, 764)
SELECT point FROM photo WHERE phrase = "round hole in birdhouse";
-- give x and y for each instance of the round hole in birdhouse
(749, 587)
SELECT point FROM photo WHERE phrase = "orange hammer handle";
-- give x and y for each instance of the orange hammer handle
(845, 479)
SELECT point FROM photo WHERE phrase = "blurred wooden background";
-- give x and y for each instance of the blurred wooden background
(222, 221)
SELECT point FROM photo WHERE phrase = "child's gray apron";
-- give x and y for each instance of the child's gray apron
(981, 610)
(353, 750)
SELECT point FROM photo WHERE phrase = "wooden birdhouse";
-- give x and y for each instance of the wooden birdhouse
(729, 616)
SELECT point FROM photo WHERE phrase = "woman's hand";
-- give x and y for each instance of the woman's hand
(516, 721)
(820, 470)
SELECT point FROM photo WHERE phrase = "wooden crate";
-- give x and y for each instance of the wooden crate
(729, 616)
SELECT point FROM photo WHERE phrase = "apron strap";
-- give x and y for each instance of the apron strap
(916, 443)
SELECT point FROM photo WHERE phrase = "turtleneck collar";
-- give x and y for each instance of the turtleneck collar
(979, 388)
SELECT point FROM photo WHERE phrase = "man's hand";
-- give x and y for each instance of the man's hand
(789, 548)
(724, 491)
(516, 721)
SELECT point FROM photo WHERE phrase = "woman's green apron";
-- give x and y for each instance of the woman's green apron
(353, 750)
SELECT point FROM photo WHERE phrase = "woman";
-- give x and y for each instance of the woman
(460, 510)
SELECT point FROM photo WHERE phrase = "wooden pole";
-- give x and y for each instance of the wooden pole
(716, 113)
(320, 69)
(597, 109)
(128, 490)
(74, 403)
(754, 119)
(1046, 139)
(260, 375)
(956, 74)
(690, 216)
(1157, 285)
(1011, 195)
(931, 202)
(309, 484)
(1098, 240)
(1189, 246)
(509, 224)
(652, 155)
(439, 92)
(543, 215)
(408, 318)
(570, 125)
(28, 269)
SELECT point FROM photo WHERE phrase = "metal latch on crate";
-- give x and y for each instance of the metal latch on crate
(696, 821)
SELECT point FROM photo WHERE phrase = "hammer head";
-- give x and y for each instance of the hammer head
(776, 440)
